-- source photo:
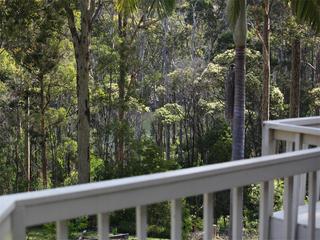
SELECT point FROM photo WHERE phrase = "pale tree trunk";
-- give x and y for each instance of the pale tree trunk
(81, 42)
(165, 70)
(27, 155)
(295, 79)
(18, 161)
(317, 80)
(193, 32)
(123, 71)
(265, 105)
(140, 79)
(43, 133)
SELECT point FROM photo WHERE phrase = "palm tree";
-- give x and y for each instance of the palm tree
(237, 17)
(307, 11)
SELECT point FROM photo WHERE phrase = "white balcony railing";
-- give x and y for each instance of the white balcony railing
(20, 211)
(289, 135)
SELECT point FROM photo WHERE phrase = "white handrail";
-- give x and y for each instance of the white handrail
(39, 207)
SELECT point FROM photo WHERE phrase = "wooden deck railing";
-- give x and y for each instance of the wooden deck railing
(20, 211)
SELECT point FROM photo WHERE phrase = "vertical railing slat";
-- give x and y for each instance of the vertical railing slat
(288, 213)
(141, 222)
(297, 187)
(103, 226)
(176, 219)
(265, 209)
(267, 188)
(318, 185)
(312, 191)
(303, 182)
(237, 207)
(62, 230)
(18, 223)
(208, 216)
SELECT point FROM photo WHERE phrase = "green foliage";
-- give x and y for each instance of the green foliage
(277, 105)
(315, 94)
(169, 113)
(186, 96)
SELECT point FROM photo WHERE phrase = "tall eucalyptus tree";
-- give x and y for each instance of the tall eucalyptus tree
(38, 51)
(265, 104)
(309, 12)
(126, 9)
(89, 9)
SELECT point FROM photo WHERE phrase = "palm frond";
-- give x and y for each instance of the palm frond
(126, 6)
(161, 7)
(165, 7)
(307, 11)
(233, 12)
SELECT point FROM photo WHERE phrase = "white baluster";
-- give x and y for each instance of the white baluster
(62, 230)
(176, 219)
(312, 191)
(103, 226)
(237, 215)
(141, 222)
(266, 188)
(208, 216)
(288, 213)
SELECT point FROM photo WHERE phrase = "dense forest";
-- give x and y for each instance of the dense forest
(105, 89)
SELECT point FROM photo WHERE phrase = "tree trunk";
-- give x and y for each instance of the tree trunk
(167, 142)
(165, 70)
(239, 106)
(317, 80)
(27, 156)
(81, 42)
(43, 133)
(83, 129)
(295, 79)
(265, 105)
(122, 23)
(229, 94)
(317, 75)
(18, 161)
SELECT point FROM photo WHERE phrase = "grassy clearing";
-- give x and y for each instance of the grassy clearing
(43, 234)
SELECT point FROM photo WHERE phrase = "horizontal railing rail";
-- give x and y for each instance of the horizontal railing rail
(19, 211)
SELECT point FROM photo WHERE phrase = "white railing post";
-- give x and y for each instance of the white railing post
(302, 190)
(141, 222)
(208, 216)
(6, 229)
(103, 226)
(266, 188)
(312, 191)
(176, 219)
(297, 187)
(237, 215)
(288, 208)
(18, 224)
(62, 230)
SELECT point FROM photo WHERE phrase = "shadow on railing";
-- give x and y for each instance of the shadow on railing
(19, 211)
